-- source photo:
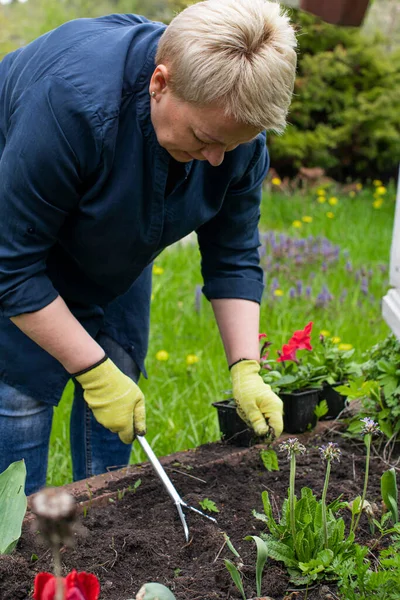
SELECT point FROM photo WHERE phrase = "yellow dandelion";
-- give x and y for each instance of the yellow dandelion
(325, 332)
(276, 181)
(321, 199)
(377, 203)
(333, 201)
(335, 339)
(321, 192)
(297, 224)
(162, 355)
(192, 359)
(157, 270)
(330, 215)
(306, 219)
(377, 182)
(358, 186)
(278, 293)
(152, 297)
(380, 190)
(345, 347)
(352, 194)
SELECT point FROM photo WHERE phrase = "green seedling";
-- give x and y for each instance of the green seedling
(209, 505)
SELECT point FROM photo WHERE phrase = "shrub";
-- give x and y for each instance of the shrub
(344, 115)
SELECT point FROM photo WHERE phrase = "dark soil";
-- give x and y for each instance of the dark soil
(139, 537)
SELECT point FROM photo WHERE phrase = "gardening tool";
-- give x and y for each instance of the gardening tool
(180, 504)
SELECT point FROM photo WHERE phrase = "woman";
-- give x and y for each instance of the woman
(119, 136)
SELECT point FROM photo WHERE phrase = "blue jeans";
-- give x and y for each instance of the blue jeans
(25, 426)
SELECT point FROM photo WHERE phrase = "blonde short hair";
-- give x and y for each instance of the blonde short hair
(239, 54)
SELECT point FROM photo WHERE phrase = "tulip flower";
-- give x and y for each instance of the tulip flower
(77, 586)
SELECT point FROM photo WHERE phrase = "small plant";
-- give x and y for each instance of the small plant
(336, 365)
(209, 505)
(235, 570)
(287, 372)
(370, 428)
(308, 539)
(360, 580)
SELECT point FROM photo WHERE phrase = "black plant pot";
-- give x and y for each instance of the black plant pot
(298, 417)
(298, 410)
(233, 429)
(336, 402)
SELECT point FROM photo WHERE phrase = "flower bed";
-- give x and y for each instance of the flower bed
(130, 533)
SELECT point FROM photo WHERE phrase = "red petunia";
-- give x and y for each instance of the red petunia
(288, 352)
(77, 586)
(301, 339)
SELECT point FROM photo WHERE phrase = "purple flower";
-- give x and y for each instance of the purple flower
(370, 427)
(330, 452)
(292, 446)
(197, 298)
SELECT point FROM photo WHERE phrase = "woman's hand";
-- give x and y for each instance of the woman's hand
(256, 403)
(115, 399)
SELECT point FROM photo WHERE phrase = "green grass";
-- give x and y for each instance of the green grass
(178, 397)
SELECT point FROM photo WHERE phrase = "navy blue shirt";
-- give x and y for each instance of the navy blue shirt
(84, 202)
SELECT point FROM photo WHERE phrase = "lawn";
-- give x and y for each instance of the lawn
(326, 259)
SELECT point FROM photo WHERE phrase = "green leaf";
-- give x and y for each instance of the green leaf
(390, 493)
(12, 505)
(321, 409)
(262, 555)
(209, 505)
(270, 459)
(231, 546)
(235, 574)
(280, 551)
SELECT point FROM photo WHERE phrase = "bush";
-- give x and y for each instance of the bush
(344, 115)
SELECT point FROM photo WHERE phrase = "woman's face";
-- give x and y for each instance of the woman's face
(190, 132)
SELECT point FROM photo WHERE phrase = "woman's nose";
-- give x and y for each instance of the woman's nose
(214, 154)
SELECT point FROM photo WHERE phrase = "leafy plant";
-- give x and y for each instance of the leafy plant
(358, 579)
(209, 505)
(337, 365)
(308, 538)
(12, 505)
(287, 372)
(343, 115)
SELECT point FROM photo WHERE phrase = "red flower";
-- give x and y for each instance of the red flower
(261, 336)
(301, 339)
(77, 586)
(288, 352)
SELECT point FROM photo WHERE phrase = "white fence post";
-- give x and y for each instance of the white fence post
(391, 302)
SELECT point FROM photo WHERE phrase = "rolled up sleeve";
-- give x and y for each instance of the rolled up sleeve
(229, 242)
(50, 149)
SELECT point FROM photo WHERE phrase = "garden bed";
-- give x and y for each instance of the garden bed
(129, 537)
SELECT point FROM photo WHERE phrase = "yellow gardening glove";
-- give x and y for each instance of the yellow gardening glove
(255, 401)
(115, 399)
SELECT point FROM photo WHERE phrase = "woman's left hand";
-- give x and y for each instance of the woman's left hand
(256, 403)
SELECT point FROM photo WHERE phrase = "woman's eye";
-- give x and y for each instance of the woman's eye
(201, 141)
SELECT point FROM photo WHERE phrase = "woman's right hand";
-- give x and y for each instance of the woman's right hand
(115, 399)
